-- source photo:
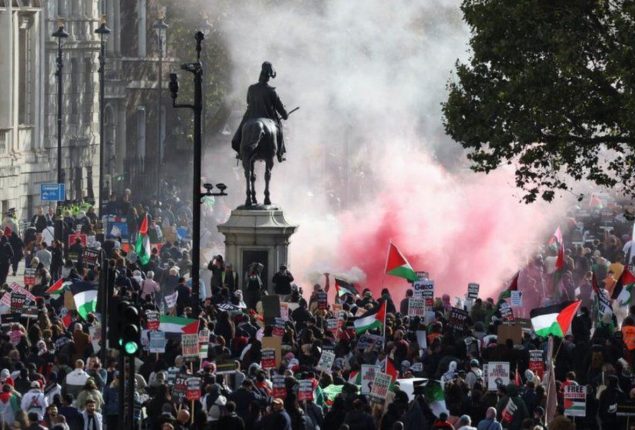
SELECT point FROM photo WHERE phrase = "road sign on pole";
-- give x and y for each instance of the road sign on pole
(52, 192)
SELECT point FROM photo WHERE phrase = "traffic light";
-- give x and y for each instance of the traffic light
(129, 329)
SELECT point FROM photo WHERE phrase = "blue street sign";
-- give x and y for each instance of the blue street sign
(52, 192)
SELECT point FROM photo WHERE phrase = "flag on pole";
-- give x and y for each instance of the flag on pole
(85, 297)
(58, 287)
(397, 265)
(554, 320)
(178, 325)
(391, 369)
(433, 393)
(552, 394)
(369, 322)
(557, 239)
(142, 246)
(342, 287)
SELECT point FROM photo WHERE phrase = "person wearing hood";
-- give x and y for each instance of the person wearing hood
(609, 400)
(515, 421)
(34, 401)
(214, 403)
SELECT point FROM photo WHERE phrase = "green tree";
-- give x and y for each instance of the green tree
(549, 90)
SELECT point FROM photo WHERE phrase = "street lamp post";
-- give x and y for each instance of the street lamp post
(103, 31)
(196, 69)
(60, 34)
(160, 27)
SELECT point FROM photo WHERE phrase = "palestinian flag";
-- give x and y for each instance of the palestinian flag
(433, 393)
(391, 369)
(557, 239)
(342, 287)
(355, 377)
(623, 287)
(58, 287)
(142, 246)
(513, 286)
(85, 297)
(369, 322)
(178, 325)
(554, 320)
(507, 416)
(397, 265)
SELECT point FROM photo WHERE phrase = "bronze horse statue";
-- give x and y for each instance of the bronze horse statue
(259, 143)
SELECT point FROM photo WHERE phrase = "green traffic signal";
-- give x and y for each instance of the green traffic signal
(131, 348)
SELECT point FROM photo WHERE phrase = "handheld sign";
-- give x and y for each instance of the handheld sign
(268, 360)
(29, 276)
(326, 361)
(90, 258)
(322, 300)
(17, 302)
(153, 320)
(278, 386)
(517, 299)
(497, 374)
(193, 385)
(157, 342)
(379, 390)
(189, 345)
(458, 319)
(368, 377)
(203, 344)
(305, 390)
(575, 400)
(472, 290)
(424, 289)
(416, 307)
(278, 327)
(536, 362)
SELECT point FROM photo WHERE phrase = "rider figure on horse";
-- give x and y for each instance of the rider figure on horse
(263, 102)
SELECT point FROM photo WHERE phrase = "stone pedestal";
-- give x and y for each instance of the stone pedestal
(257, 235)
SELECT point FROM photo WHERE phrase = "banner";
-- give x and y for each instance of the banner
(305, 390)
(152, 318)
(472, 290)
(189, 345)
(193, 388)
(157, 342)
(381, 383)
(536, 362)
(368, 377)
(497, 374)
(416, 307)
(575, 400)
(326, 361)
(268, 358)
(279, 388)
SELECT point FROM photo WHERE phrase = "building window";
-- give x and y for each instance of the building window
(25, 79)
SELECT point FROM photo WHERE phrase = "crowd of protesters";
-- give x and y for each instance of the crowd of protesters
(52, 376)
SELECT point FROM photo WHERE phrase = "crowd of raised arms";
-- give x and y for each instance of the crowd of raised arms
(271, 356)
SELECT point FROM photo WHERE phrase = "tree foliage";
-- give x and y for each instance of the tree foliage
(549, 90)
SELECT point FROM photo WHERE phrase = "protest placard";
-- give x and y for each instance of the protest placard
(424, 289)
(458, 319)
(517, 299)
(422, 339)
(179, 391)
(152, 318)
(507, 314)
(17, 302)
(513, 332)
(29, 276)
(305, 390)
(326, 361)
(416, 307)
(170, 300)
(6, 299)
(193, 388)
(90, 257)
(278, 327)
(268, 358)
(157, 342)
(203, 344)
(575, 400)
(74, 236)
(189, 345)
(275, 343)
(373, 341)
(322, 300)
(368, 377)
(472, 290)
(17, 288)
(380, 386)
(279, 389)
(536, 362)
(497, 374)
(332, 324)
